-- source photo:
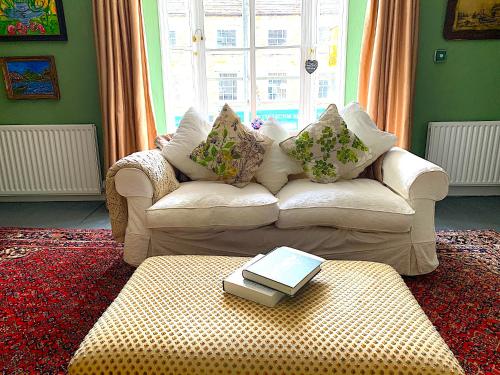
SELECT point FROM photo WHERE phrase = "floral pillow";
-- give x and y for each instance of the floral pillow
(327, 150)
(231, 151)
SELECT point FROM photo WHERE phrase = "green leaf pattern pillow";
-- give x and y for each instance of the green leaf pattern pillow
(326, 148)
(231, 151)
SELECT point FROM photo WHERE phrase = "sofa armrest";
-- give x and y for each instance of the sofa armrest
(132, 182)
(148, 176)
(413, 177)
(145, 174)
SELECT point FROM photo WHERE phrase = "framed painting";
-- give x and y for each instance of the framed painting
(32, 20)
(31, 77)
(472, 19)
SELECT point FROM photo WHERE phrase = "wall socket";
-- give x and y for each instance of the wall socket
(439, 56)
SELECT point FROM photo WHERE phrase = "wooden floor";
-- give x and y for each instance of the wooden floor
(451, 213)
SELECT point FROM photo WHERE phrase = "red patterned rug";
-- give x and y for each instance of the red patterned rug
(54, 285)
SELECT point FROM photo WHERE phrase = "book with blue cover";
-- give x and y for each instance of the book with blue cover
(284, 269)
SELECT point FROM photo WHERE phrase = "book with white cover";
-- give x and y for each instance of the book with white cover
(284, 269)
(237, 285)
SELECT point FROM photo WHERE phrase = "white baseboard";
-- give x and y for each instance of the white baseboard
(52, 198)
(474, 190)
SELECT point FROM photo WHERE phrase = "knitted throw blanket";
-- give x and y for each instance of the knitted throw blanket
(157, 169)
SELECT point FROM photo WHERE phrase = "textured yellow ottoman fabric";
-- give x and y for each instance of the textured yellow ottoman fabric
(172, 317)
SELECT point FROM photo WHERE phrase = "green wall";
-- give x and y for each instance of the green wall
(77, 73)
(356, 14)
(76, 70)
(151, 25)
(465, 87)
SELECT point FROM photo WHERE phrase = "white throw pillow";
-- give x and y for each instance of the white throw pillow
(361, 124)
(191, 132)
(274, 130)
(277, 165)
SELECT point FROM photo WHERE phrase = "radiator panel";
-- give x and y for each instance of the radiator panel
(49, 159)
(468, 151)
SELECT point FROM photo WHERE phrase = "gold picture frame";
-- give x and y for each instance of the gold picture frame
(472, 19)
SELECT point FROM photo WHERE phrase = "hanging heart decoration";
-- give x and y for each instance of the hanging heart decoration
(311, 66)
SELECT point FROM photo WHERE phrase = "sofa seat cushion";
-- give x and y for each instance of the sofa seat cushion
(213, 205)
(360, 204)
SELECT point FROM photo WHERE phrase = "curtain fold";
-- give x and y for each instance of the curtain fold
(387, 65)
(127, 110)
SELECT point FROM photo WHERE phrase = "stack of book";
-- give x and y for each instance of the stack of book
(266, 279)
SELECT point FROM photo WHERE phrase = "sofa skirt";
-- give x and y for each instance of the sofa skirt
(395, 249)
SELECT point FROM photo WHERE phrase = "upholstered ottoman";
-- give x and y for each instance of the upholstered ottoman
(172, 317)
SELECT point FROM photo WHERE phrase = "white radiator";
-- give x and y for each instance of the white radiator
(468, 151)
(49, 159)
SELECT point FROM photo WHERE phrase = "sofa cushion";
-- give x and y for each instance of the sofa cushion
(213, 205)
(327, 149)
(361, 124)
(360, 204)
(277, 165)
(192, 130)
(232, 151)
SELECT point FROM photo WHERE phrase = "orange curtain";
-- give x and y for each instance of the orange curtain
(127, 111)
(387, 65)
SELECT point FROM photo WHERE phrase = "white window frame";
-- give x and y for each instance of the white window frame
(308, 17)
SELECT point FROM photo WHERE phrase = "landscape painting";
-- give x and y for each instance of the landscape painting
(32, 20)
(30, 77)
(472, 19)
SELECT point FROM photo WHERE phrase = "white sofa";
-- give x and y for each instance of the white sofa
(359, 219)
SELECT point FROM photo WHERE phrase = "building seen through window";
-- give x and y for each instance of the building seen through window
(276, 37)
(260, 72)
(228, 87)
(226, 38)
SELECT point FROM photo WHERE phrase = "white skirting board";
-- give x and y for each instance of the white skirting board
(473, 191)
(52, 198)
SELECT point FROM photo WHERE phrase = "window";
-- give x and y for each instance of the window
(323, 89)
(172, 40)
(228, 87)
(323, 34)
(276, 37)
(226, 38)
(277, 87)
(252, 55)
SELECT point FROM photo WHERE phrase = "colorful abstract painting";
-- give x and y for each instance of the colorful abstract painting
(32, 20)
(472, 19)
(30, 77)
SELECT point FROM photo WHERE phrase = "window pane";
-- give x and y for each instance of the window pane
(181, 87)
(278, 85)
(228, 82)
(178, 24)
(226, 23)
(228, 86)
(285, 60)
(276, 37)
(172, 38)
(226, 38)
(277, 23)
(325, 82)
(181, 94)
